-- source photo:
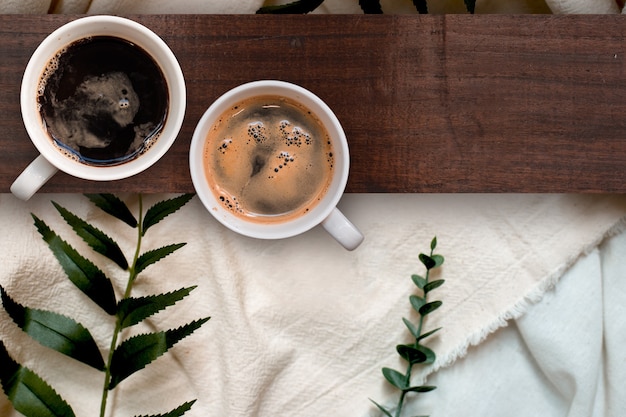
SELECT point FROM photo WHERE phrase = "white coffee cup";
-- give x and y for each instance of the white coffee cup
(51, 159)
(325, 212)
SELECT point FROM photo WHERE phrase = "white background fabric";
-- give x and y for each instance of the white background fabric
(564, 357)
(301, 326)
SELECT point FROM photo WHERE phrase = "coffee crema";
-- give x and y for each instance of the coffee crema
(268, 159)
(103, 100)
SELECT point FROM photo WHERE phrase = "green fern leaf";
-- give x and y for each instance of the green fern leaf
(94, 237)
(133, 310)
(370, 6)
(179, 411)
(29, 394)
(155, 255)
(162, 209)
(112, 205)
(82, 272)
(421, 6)
(137, 352)
(296, 7)
(55, 331)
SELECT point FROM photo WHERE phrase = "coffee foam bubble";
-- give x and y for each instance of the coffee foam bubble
(51, 67)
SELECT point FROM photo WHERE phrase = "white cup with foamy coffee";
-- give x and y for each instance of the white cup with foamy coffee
(102, 98)
(270, 160)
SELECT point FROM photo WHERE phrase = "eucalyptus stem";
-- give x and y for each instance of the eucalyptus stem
(118, 322)
(420, 325)
(416, 352)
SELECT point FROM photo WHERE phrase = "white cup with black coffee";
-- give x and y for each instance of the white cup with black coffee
(270, 160)
(102, 98)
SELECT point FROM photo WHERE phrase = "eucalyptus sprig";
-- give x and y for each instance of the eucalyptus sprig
(28, 392)
(416, 353)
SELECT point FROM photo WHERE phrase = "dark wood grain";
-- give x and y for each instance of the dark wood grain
(448, 104)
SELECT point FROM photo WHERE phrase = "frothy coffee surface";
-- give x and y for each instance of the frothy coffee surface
(103, 100)
(268, 159)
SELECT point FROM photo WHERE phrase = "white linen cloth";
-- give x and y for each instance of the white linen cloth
(300, 326)
(564, 357)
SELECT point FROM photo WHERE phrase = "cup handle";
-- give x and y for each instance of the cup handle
(33, 178)
(344, 232)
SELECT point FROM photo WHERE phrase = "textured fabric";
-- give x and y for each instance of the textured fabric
(564, 357)
(301, 326)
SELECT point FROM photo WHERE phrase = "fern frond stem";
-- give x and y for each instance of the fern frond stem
(132, 274)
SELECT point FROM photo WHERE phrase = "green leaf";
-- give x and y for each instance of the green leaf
(179, 411)
(296, 7)
(370, 6)
(438, 260)
(430, 333)
(422, 388)
(417, 302)
(428, 308)
(433, 285)
(137, 352)
(428, 262)
(430, 354)
(155, 255)
(55, 331)
(395, 378)
(381, 408)
(421, 6)
(133, 310)
(162, 209)
(433, 243)
(82, 272)
(29, 394)
(94, 237)
(419, 281)
(411, 354)
(411, 328)
(114, 206)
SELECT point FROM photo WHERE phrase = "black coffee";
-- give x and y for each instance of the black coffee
(103, 100)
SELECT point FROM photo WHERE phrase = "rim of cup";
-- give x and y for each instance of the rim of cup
(288, 228)
(103, 25)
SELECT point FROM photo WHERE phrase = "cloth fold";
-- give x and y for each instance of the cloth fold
(301, 326)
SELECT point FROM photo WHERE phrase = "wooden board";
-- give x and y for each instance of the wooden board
(448, 103)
